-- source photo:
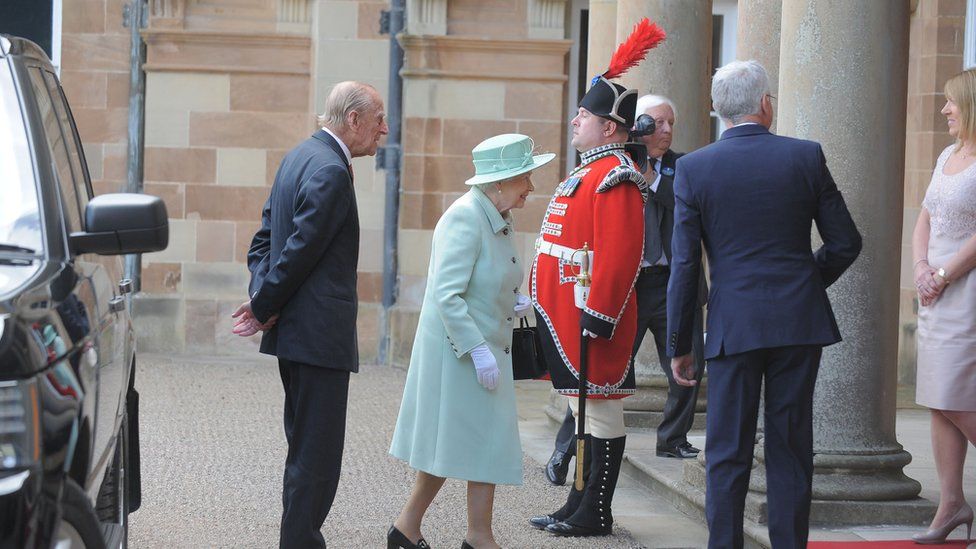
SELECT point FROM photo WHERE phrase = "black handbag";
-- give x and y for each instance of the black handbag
(527, 359)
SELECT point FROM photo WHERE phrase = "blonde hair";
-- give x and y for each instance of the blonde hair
(346, 97)
(961, 90)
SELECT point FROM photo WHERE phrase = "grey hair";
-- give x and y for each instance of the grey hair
(738, 89)
(486, 187)
(346, 97)
(650, 101)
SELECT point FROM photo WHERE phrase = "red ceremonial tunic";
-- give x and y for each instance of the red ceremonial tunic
(601, 203)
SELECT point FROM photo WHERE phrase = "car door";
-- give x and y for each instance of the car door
(115, 378)
(75, 195)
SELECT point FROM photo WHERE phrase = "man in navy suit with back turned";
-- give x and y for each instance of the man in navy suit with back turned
(303, 264)
(752, 198)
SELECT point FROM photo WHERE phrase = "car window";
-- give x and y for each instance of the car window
(59, 151)
(73, 142)
(20, 219)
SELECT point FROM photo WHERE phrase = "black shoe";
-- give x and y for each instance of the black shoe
(567, 529)
(542, 521)
(396, 540)
(572, 501)
(466, 545)
(682, 451)
(558, 467)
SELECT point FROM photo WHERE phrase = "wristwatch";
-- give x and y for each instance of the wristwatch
(943, 275)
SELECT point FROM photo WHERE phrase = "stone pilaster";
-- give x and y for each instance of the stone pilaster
(678, 68)
(827, 51)
(761, 42)
(427, 17)
(547, 19)
(601, 36)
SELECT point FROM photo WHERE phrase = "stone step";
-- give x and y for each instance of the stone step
(650, 420)
(683, 487)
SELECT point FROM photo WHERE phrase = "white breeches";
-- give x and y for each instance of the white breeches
(604, 418)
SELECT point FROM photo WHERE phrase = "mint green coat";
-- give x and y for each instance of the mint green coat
(449, 425)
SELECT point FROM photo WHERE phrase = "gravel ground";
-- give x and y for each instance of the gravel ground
(213, 449)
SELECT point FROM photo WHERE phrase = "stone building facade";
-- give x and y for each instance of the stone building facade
(231, 85)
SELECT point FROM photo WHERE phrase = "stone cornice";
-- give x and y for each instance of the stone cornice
(467, 58)
(215, 51)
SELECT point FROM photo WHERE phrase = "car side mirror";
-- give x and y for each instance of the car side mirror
(123, 223)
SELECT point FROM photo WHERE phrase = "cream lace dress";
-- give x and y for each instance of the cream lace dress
(946, 378)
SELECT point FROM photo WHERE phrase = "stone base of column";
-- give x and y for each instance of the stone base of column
(684, 487)
(645, 409)
(846, 491)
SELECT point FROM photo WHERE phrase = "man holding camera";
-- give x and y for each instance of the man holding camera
(652, 283)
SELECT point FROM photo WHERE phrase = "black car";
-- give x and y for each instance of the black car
(69, 444)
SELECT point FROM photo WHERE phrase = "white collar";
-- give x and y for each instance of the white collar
(345, 149)
(745, 124)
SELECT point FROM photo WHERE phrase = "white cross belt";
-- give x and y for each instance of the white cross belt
(565, 253)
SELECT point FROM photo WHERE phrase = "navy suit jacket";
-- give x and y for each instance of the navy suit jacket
(751, 198)
(303, 259)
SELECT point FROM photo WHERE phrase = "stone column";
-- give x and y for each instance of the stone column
(758, 37)
(831, 53)
(601, 37)
(676, 69)
(680, 67)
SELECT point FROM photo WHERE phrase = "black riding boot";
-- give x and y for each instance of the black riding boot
(575, 496)
(593, 516)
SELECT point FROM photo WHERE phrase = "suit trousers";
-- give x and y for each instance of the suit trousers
(652, 314)
(734, 385)
(315, 428)
(566, 437)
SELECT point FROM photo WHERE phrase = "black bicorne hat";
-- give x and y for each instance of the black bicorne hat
(611, 101)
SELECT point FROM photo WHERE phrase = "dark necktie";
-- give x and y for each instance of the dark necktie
(652, 223)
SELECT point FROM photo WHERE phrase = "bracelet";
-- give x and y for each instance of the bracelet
(924, 259)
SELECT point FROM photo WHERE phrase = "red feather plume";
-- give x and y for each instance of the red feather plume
(646, 35)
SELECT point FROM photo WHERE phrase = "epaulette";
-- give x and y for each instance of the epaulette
(626, 171)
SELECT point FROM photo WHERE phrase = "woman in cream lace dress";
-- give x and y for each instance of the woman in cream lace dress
(944, 250)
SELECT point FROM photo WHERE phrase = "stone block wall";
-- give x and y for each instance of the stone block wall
(478, 69)
(228, 92)
(95, 77)
(935, 54)
(347, 45)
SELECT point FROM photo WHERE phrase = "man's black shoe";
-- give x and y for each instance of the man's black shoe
(567, 529)
(682, 451)
(558, 467)
(542, 521)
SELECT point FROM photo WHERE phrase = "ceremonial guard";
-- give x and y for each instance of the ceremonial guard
(587, 260)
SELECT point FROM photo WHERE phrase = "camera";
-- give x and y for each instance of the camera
(643, 126)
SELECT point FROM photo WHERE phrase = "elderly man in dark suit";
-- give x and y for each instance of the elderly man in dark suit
(303, 296)
(652, 283)
(752, 198)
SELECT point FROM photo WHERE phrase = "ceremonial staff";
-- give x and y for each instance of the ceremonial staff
(582, 290)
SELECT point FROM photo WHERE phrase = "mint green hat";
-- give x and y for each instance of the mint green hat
(505, 156)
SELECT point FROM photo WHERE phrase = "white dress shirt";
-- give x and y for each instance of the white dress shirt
(345, 149)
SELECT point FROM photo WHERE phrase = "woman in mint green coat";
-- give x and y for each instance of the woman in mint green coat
(458, 417)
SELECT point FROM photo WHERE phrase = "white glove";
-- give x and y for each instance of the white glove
(522, 305)
(588, 333)
(485, 366)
